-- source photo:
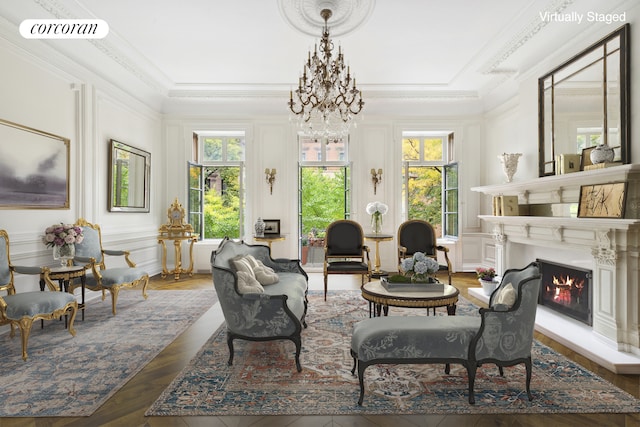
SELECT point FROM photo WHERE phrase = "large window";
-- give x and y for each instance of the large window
(430, 180)
(216, 184)
(324, 193)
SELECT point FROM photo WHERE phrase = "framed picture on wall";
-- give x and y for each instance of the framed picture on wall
(271, 227)
(602, 200)
(35, 168)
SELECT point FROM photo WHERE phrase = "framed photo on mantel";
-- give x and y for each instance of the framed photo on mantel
(602, 200)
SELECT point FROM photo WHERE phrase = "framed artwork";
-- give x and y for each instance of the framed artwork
(602, 200)
(34, 168)
(585, 159)
(271, 227)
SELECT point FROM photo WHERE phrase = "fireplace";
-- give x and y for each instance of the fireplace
(566, 289)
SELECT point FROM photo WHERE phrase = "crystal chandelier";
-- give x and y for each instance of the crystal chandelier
(327, 98)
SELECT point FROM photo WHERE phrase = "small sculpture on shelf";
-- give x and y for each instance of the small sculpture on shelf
(509, 164)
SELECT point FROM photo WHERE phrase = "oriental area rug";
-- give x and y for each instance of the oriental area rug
(263, 379)
(73, 376)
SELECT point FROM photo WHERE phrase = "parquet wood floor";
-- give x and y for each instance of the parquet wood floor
(127, 406)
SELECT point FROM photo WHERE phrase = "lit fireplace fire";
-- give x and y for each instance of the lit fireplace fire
(566, 290)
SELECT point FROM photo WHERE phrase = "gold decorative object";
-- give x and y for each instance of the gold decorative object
(271, 178)
(327, 98)
(178, 231)
(376, 178)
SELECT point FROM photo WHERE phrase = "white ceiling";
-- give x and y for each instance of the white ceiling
(243, 55)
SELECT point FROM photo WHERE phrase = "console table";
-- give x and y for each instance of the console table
(177, 240)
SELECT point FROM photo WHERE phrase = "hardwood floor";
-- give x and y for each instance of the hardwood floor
(127, 406)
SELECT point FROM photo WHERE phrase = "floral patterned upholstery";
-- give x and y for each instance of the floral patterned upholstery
(278, 313)
(500, 335)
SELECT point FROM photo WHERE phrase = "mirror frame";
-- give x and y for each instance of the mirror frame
(146, 174)
(625, 95)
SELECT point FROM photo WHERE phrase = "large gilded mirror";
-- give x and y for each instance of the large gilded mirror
(129, 174)
(584, 102)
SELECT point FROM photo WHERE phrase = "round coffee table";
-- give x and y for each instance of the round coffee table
(380, 299)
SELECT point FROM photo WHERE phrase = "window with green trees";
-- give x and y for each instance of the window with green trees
(430, 184)
(324, 191)
(216, 190)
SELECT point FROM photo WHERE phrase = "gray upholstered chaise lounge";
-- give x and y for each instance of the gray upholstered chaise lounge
(501, 335)
(277, 311)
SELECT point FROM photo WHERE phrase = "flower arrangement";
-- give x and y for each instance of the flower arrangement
(486, 273)
(419, 267)
(62, 234)
(376, 210)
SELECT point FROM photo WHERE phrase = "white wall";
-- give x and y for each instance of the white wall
(89, 113)
(374, 143)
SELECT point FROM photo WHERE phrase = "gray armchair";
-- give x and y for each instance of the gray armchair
(22, 309)
(502, 335)
(101, 278)
(275, 311)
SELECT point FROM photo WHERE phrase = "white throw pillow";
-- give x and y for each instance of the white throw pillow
(265, 275)
(241, 264)
(506, 296)
(247, 284)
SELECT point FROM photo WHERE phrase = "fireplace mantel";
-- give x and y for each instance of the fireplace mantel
(610, 247)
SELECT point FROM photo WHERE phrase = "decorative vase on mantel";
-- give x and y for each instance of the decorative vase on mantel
(509, 164)
(64, 253)
(259, 227)
(488, 286)
(602, 154)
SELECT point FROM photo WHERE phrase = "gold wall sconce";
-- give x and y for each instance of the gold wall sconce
(376, 178)
(271, 178)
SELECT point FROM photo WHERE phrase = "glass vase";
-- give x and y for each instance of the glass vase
(64, 253)
(376, 223)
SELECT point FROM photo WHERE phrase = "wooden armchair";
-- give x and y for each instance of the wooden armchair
(345, 251)
(416, 235)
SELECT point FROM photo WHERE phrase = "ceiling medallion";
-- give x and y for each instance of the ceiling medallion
(347, 15)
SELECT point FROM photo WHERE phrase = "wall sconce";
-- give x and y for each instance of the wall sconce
(271, 178)
(376, 178)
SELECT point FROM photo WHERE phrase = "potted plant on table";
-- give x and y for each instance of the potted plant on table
(486, 277)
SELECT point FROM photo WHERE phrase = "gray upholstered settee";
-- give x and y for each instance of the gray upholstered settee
(276, 312)
(501, 335)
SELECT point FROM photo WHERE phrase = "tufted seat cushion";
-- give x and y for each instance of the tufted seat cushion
(31, 304)
(413, 337)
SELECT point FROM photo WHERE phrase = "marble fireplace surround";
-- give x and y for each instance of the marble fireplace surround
(609, 247)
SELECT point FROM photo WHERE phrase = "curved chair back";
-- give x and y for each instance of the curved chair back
(91, 245)
(344, 238)
(417, 235)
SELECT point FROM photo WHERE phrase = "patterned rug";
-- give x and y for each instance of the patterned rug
(73, 376)
(264, 381)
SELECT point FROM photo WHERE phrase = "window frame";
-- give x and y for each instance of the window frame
(199, 146)
(445, 163)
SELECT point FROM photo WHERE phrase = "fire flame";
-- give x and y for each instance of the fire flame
(565, 289)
